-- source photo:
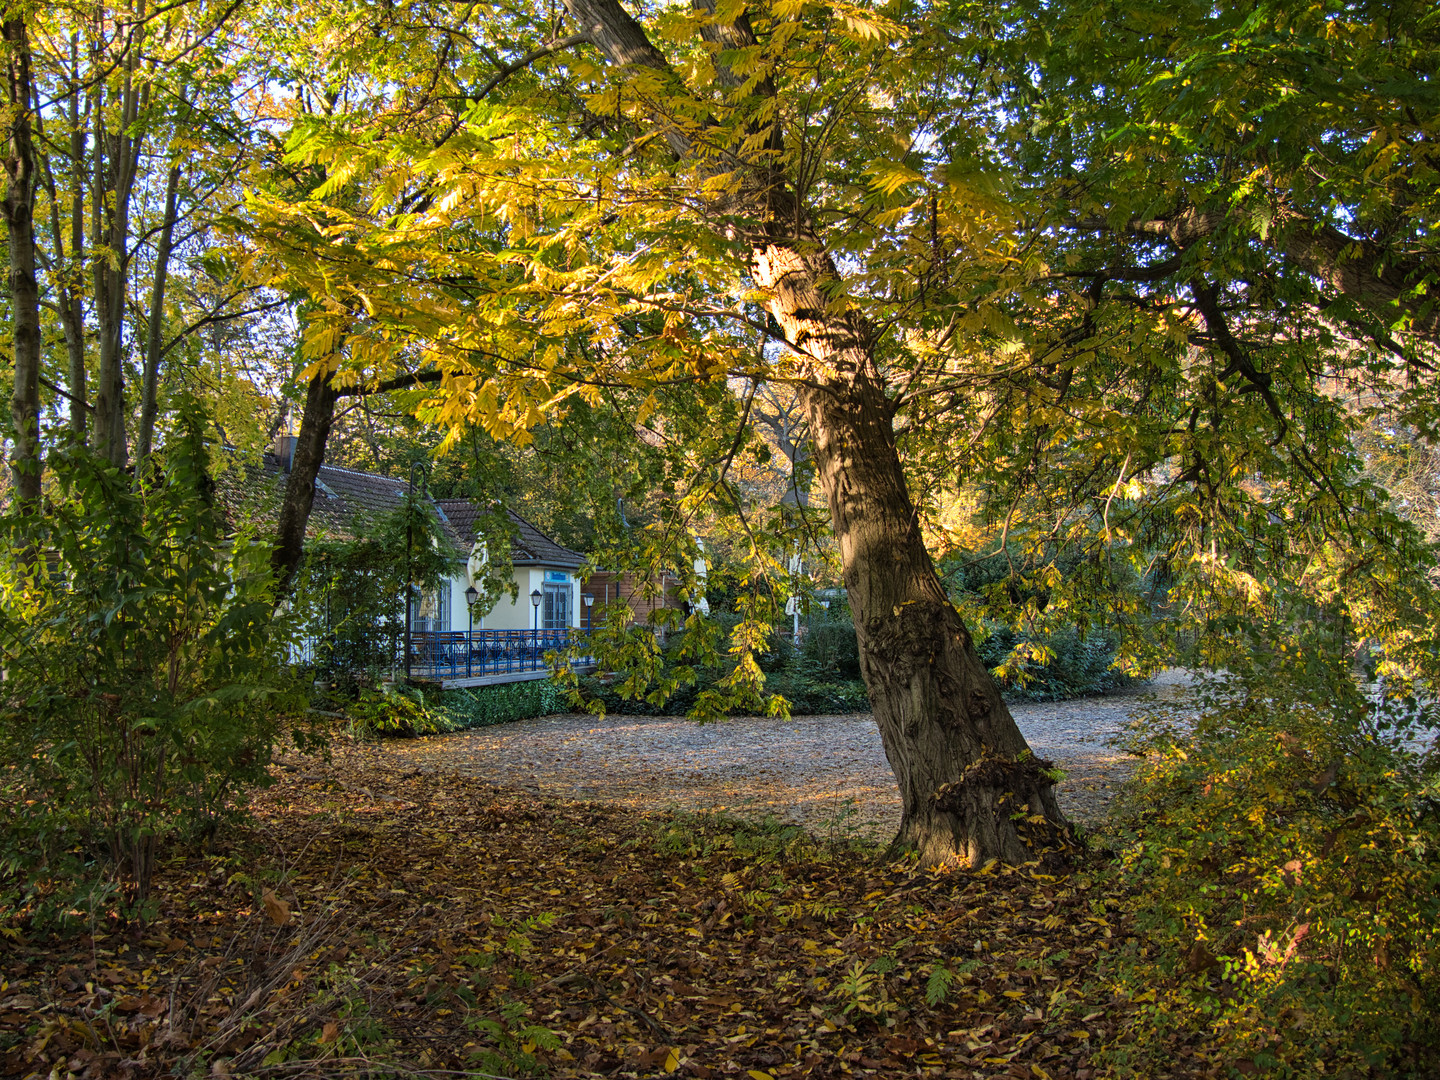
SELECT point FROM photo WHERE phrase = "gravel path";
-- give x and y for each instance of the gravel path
(828, 773)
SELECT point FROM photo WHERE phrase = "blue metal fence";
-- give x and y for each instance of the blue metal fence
(461, 654)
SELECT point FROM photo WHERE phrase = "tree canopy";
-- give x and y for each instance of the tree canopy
(994, 322)
(1129, 294)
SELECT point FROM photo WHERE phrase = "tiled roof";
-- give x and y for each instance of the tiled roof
(345, 500)
(530, 547)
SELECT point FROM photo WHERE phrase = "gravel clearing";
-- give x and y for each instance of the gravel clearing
(827, 773)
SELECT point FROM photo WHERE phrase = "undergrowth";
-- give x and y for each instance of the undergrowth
(1286, 848)
(397, 710)
(437, 928)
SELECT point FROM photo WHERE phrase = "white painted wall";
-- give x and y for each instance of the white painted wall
(505, 615)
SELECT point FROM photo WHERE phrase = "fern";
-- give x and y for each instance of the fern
(937, 987)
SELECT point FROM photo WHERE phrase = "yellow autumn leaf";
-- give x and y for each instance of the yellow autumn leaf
(889, 176)
(672, 1061)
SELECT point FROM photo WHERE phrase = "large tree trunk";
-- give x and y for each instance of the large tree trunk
(315, 423)
(970, 788)
(19, 205)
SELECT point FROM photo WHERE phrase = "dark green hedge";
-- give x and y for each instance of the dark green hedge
(483, 706)
(821, 678)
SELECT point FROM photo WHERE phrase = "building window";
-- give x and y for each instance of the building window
(557, 607)
(432, 612)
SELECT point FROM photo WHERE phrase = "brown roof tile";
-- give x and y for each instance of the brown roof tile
(345, 500)
(529, 546)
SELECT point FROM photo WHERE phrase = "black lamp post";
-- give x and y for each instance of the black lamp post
(471, 595)
(535, 599)
(409, 585)
(589, 599)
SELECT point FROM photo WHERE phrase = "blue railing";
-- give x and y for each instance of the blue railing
(462, 654)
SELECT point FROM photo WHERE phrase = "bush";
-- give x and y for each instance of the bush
(777, 655)
(1048, 667)
(1287, 861)
(819, 697)
(823, 675)
(830, 652)
(143, 680)
(394, 709)
(398, 711)
(807, 696)
(482, 706)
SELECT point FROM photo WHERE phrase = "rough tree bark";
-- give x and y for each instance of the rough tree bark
(18, 207)
(315, 424)
(154, 340)
(970, 788)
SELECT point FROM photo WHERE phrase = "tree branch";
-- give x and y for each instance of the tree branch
(400, 382)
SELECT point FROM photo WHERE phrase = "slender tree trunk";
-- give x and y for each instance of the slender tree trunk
(117, 159)
(150, 386)
(109, 297)
(69, 270)
(19, 205)
(73, 306)
(315, 423)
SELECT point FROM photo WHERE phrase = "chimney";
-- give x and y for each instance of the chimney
(283, 450)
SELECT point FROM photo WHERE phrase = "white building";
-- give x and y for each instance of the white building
(540, 566)
(509, 640)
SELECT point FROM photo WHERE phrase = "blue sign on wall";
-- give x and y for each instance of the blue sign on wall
(556, 575)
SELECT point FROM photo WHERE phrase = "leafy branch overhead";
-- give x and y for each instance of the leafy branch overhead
(986, 274)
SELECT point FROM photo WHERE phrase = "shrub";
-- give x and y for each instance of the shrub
(143, 681)
(399, 711)
(819, 697)
(395, 709)
(1048, 666)
(1287, 859)
(831, 652)
(806, 696)
(482, 706)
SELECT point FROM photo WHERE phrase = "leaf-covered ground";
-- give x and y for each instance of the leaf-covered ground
(374, 920)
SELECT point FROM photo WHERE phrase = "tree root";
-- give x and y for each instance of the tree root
(1005, 809)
